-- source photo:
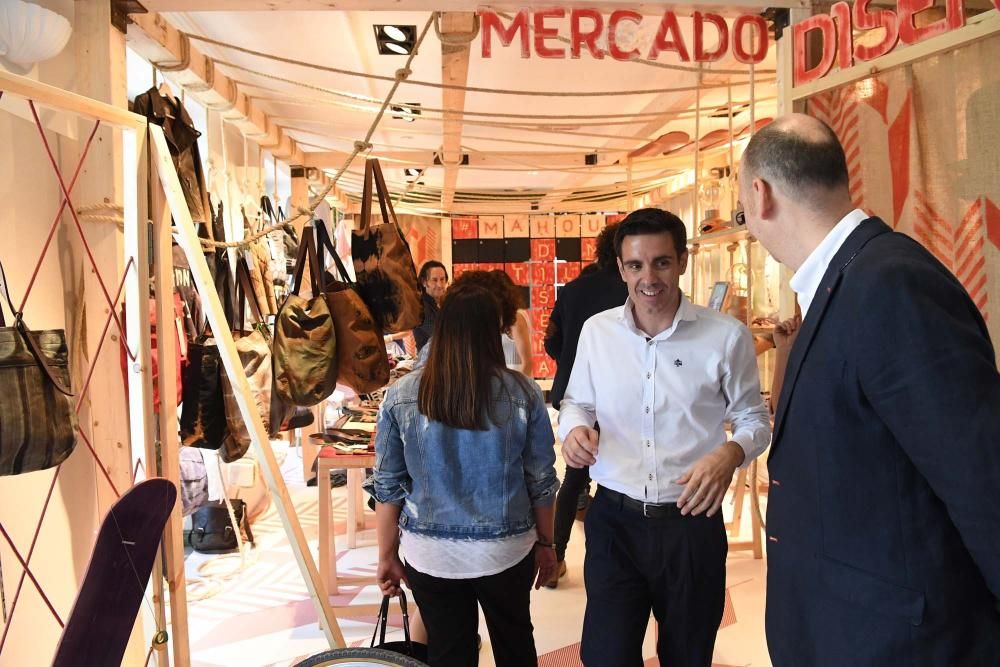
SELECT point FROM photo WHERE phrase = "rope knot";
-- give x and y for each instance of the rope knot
(403, 73)
(362, 146)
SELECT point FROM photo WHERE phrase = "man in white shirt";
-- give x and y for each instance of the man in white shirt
(662, 377)
(881, 520)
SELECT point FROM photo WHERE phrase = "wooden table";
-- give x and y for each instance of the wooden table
(329, 459)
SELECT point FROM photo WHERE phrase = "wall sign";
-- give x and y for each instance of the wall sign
(748, 37)
(837, 31)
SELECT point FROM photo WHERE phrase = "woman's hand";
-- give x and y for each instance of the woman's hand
(545, 564)
(390, 572)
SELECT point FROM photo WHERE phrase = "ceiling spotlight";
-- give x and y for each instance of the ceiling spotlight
(407, 113)
(411, 172)
(395, 39)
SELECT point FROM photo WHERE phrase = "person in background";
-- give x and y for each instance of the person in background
(663, 377)
(433, 283)
(882, 522)
(517, 338)
(596, 290)
(469, 498)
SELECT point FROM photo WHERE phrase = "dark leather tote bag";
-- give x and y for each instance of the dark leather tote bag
(37, 420)
(212, 530)
(361, 358)
(387, 279)
(305, 342)
(254, 349)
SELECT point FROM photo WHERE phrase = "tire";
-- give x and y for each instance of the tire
(359, 657)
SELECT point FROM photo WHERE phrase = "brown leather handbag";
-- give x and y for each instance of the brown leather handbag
(387, 278)
(361, 358)
(254, 350)
(305, 341)
(37, 420)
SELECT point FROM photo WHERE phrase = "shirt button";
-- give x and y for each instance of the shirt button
(651, 478)
(647, 444)
(647, 409)
(649, 375)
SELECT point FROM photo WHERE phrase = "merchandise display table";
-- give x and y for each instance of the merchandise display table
(355, 464)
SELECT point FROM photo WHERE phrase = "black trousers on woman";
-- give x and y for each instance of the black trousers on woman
(567, 502)
(448, 607)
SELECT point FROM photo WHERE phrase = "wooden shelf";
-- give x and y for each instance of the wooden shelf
(721, 237)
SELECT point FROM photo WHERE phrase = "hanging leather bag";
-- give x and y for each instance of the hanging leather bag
(387, 278)
(37, 420)
(212, 530)
(305, 342)
(254, 350)
(361, 359)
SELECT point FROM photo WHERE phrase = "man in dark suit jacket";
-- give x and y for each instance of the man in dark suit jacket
(599, 288)
(883, 517)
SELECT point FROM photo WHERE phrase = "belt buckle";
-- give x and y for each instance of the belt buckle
(645, 510)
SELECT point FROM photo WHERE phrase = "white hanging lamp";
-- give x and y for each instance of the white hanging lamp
(30, 34)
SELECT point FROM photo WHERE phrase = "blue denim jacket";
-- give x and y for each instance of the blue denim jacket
(457, 483)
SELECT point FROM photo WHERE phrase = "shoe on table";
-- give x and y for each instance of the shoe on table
(560, 572)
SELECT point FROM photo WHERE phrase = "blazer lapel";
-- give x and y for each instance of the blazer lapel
(858, 239)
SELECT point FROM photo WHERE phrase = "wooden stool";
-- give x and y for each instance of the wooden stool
(329, 459)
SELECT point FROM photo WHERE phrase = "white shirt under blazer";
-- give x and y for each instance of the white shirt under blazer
(663, 402)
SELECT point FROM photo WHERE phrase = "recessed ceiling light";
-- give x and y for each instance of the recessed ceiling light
(395, 33)
(406, 113)
(411, 172)
(395, 39)
(392, 46)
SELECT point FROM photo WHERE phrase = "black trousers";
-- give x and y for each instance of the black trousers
(575, 481)
(448, 607)
(674, 566)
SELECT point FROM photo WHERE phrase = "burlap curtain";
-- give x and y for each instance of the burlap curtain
(923, 150)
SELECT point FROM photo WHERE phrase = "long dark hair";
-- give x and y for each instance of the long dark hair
(466, 355)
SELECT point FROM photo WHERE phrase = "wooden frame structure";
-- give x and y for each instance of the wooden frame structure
(162, 451)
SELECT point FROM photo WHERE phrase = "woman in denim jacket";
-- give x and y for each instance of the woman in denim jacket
(465, 484)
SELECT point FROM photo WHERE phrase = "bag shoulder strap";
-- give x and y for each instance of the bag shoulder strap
(385, 201)
(29, 340)
(307, 253)
(325, 243)
(245, 294)
(366, 198)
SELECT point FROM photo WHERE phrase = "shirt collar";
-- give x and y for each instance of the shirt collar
(686, 312)
(806, 280)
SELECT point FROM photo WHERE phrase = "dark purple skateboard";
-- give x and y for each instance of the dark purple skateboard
(105, 610)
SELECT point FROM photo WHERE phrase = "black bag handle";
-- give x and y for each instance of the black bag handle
(307, 252)
(324, 242)
(383, 622)
(385, 201)
(25, 333)
(245, 294)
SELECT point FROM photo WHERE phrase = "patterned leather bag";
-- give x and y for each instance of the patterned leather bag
(37, 420)
(254, 350)
(361, 359)
(387, 278)
(305, 341)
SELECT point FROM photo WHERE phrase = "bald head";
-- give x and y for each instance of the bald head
(799, 154)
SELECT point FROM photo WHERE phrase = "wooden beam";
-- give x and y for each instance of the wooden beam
(457, 30)
(501, 159)
(648, 8)
(188, 240)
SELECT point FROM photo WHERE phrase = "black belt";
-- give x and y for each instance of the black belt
(648, 510)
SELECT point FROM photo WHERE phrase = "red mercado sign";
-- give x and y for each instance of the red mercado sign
(837, 30)
(586, 26)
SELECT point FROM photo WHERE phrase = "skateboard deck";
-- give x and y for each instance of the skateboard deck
(98, 629)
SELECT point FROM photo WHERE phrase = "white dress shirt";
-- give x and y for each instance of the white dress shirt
(663, 402)
(806, 280)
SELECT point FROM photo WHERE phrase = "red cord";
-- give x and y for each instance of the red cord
(31, 576)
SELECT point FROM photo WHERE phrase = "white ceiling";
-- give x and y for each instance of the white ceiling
(316, 109)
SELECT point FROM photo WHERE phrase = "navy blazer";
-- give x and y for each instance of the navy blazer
(883, 518)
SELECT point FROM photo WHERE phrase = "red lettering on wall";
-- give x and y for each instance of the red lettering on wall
(823, 23)
(543, 273)
(567, 271)
(841, 13)
(542, 33)
(954, 17)
(700, 54)
(578, 37)
(669, 38)
(490, 22)
(741, 40)
(519, 272)
(543, 296)
(543, 250)
(464, 228)
(617, 17)
(883, 18)
(588, 249)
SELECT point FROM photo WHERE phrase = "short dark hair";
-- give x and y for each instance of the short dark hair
(798, 162)
(425, 270)
(652, 221)
(605, 250)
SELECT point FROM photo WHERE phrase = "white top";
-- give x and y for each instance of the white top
(510, 353)
(465, 559)
(663, 402)
(806, 280)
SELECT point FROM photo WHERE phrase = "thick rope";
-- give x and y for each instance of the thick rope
(444, 86)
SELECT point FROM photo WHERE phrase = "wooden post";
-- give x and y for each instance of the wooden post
(188, 240)
(169, 442)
